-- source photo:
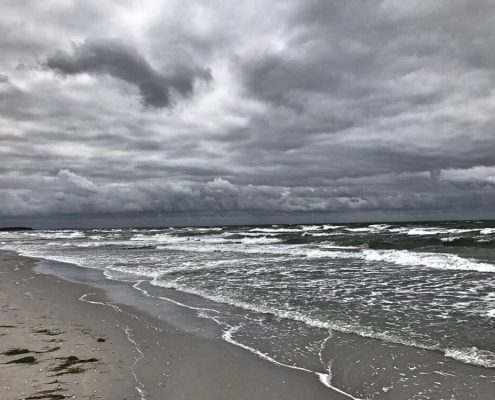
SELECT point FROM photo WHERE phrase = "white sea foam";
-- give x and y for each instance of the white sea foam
(36, 253)
(457, 231)
(380, 227)
(159, 237)
(330, 246)
(357, 230)
(437, 231)
(252, 234)
(138, 271)
(425, 231)
(398, 230)
(473, 356)
(430, 260)
(65, 234)
(450, 239)
(212, 229)
(202, 311)
(275, 230)
(311, 227)
(374, 228)
(96, 237)
(333, 226)
(259, 240)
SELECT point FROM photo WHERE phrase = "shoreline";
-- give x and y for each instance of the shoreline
(141, 357)
(170, 339)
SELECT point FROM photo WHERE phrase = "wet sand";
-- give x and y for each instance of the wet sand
(60, 339)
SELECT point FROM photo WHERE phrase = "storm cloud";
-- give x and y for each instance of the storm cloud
(120, 61)
(285, 111)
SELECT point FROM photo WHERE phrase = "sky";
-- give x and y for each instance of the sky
(121, 113)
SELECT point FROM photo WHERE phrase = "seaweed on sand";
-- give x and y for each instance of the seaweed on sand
(67, 366)
(47, 332)
(15, 352)
(47, 394)
(23, 360)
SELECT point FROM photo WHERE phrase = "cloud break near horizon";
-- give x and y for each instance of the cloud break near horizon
(112, 113)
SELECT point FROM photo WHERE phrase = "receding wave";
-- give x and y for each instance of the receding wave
(430, 260)
(472, 355)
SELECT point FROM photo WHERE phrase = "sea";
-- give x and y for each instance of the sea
(371, 309)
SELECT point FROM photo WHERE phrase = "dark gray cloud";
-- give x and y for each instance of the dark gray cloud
(318, 109)
(120, 61)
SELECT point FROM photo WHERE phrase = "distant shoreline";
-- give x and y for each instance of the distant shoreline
(234, 225)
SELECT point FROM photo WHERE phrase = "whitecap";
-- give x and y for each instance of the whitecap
(431, 260)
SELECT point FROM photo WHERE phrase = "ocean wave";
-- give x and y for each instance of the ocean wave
(36, 253)
(373, 228)
(164, 238)
(167, 238)
(260, 240)
(305, 228)
(49, 235)
(451, 239)
(379, 226)
(210, 229)
(275, 230)
(268, 245)
(472, 355)
(439, 231)
(158, 237)
(432, 260)
(359, 230)
(240, 235)
(417, 242)
(425, 231)
(333, 227)
(137, 271)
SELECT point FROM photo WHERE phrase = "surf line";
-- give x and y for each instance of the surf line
(139, 385)
(323, 377)
(146, 293)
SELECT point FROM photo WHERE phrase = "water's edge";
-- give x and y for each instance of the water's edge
(186, 317)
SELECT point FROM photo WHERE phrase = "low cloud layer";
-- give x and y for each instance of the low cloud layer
(377, 109)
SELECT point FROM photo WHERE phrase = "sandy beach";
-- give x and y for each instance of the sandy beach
(61, 340)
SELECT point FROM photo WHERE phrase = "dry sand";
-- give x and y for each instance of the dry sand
(55, 346)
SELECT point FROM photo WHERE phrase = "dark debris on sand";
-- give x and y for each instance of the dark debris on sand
(68, 365)
(15, 352)
(23, 360)
(47, 394)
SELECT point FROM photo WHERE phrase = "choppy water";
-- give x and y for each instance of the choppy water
(426, 285)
